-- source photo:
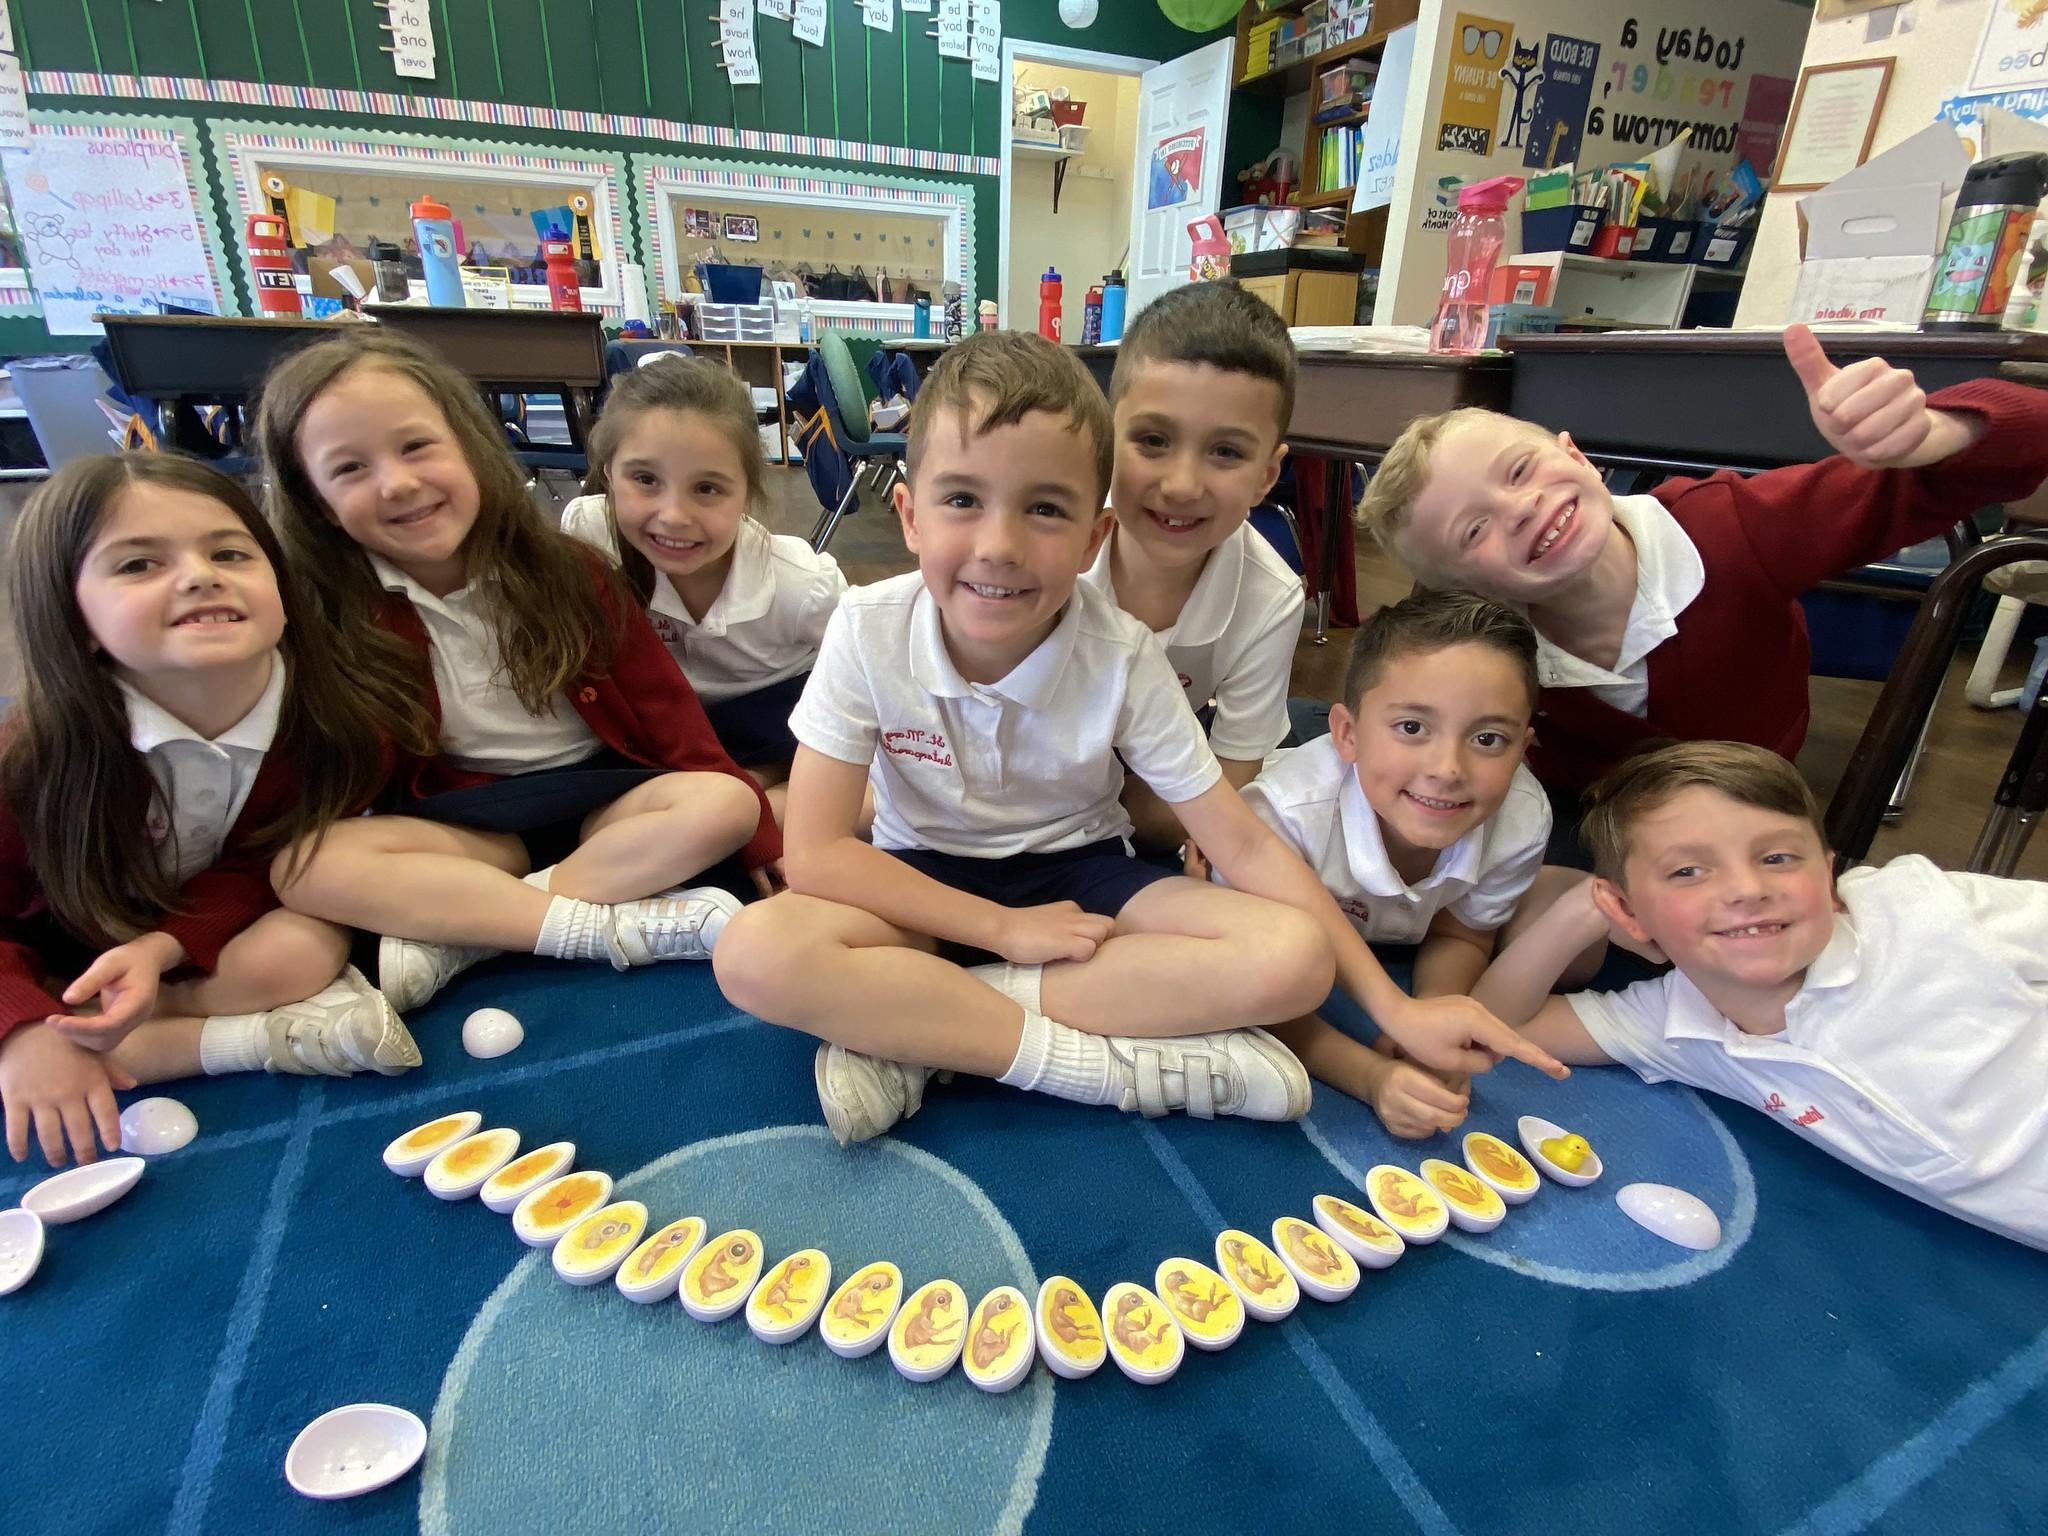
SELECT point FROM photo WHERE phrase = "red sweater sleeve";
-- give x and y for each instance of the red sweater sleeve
(679, 734)
(23, 997)
(1813, 521)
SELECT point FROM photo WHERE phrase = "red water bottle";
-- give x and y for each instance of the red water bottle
(270, 258)
(1049, 305)
(565, 288)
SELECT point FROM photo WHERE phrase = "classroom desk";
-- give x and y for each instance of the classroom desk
(222, 358)
(1696, 401)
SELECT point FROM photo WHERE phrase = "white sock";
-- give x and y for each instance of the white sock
(574, 930)
(232, 1042)
(1019, 983)
(1064, 1062)
(539, 878)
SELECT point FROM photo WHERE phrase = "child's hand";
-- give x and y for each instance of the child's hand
(1597, 924)
(1871, 413)
(61, 1090)
(1059, 930)
(769, 879)
(1415, 1104)
(1456, 1034)
(124, 979)
(1192, 864)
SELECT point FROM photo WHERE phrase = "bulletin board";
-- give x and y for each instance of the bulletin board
(339, 188)
(802, 202)
(112, 213)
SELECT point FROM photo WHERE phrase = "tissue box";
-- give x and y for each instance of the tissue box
(1869, 240)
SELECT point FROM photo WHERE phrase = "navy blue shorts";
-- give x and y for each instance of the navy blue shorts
(754, 727)
(1097, 877)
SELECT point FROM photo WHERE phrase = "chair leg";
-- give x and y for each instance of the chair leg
(1897, 805)
(828, 521)
(1982, 690)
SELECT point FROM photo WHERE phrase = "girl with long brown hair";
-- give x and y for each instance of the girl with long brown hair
(549, 730)
(178, 726)
(680, 473)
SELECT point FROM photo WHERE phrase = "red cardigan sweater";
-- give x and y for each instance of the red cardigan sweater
(642, 708)
(1736, 669)
(214, 905)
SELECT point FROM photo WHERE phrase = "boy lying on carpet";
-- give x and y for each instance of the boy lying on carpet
(1897, 1017)
(987, 698)
(1675, 615)
(1417, 814)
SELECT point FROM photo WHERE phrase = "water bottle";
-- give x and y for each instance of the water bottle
(921, 317)
(1049, 291)
(1987, 243)
(1476, 238)
(434, 227)
(1091, 316)
(388, 262)
(803, 321)
(565, 288)
(1113, 295)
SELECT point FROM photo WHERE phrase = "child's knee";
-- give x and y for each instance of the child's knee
(754, 956)
(1295, 962)
(292, 957)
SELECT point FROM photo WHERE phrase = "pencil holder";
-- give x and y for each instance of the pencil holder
(1614, 241)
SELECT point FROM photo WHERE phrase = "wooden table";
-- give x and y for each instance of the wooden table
(222, 359)
(1696, 401)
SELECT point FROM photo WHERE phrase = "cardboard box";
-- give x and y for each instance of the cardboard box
(1869, 240)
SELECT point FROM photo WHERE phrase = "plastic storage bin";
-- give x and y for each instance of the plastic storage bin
(726, 284)
(1570, 228)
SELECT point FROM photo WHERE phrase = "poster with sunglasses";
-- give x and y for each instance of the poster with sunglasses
(1558, 121)
(1471, 94)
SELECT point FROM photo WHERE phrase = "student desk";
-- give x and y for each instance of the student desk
(1348, 408)
(174, 359)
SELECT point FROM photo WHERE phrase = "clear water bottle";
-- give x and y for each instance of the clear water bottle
(804, 330)
(1477, 235)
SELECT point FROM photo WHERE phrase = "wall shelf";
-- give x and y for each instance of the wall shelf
(1340, 197)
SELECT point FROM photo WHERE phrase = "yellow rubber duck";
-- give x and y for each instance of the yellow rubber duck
(1568, 1152)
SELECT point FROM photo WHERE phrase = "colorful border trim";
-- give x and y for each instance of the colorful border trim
(655, 175)
(16, 303)
(235, 144)
(311, 98)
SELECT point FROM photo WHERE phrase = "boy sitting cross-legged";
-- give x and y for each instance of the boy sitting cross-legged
(1897, 1017)
(988, 700)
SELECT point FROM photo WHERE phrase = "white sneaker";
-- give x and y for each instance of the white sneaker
(348, 1028)
(862, 1096)
(1234, 1072)
(683, 926)
(410, 971)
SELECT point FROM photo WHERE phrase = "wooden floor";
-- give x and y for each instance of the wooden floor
(1967, 749)
(1966, 754)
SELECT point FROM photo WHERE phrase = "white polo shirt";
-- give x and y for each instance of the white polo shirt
(1669, 575)
(1234, 640)
(204, 783)
(484, 727)
(1024, 765)
(1311, 797)
(766, 622)
(1916, 1050)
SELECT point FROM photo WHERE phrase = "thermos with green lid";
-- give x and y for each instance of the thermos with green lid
(1987, 239)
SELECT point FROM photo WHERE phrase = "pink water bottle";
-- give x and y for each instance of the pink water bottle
(1476, 237)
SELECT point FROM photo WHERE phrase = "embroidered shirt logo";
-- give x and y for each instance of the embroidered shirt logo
(919, 746)
(666, 629)
(1810, 1116)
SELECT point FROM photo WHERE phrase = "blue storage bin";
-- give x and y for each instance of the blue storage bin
(728, 284)
(1672, 240)
(1570, 228)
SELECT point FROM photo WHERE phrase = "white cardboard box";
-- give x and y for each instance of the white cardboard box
(1869, 240)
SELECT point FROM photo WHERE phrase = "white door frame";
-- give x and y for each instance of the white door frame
(1023, 51)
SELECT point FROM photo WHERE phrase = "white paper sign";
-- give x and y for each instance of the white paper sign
(411, 25)
(917, 5)
(6, 29)
(1379, 149)
(810, 21)
(781, 10)
(736, 31)
(106, 222)
(988, 40)
(953, 40)
(2012, 54)
(13, 103)
(879, 14)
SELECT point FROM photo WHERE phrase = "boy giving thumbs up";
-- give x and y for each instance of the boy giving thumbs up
(1675, 614)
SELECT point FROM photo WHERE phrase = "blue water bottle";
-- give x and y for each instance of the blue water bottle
(1113, 296)
(921, 317)
(434, 227)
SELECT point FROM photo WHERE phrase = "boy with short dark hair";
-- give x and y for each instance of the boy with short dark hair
(988, 698)
(1898, 1017)
(1203, 390)
(1676, 614)
(1418, 816)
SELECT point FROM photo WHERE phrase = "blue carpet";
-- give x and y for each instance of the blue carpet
(1846, 1361)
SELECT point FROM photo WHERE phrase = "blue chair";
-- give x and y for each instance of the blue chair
(876, 457)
